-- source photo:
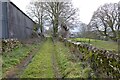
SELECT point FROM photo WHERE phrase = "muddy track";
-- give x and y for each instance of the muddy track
(56, 70)
(57, 73)
(17, 70)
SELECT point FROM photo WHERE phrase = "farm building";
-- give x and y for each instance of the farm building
(14, 23)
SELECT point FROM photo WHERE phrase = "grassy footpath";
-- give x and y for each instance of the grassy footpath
(41, 65)
(108, 45)
(11, 59)
(55, 61)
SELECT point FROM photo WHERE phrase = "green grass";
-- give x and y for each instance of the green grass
(108, 45)
(69, 68)
(11, 59)
(0, 66)
(41, 65)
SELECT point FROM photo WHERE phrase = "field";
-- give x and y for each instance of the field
(48, 59)
(108, 45)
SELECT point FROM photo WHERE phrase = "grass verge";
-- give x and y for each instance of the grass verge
(68, 67)
(12, 59)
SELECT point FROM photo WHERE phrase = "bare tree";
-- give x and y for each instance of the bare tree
(105, 20)
(36, 11)
(119, 28)
(56, 13)
(60, 13)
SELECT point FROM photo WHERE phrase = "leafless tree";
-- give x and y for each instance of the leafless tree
(105, 20)
(36, 11)
(60, 13)
(56, 13)
(119, 27)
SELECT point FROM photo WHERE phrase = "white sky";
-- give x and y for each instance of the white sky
(86, 7)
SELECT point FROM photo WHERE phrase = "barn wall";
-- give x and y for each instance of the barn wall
(4, 20)
(0, 19)
(13, 22)
(20, 24)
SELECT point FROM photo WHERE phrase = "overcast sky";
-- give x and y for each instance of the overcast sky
(86, 7)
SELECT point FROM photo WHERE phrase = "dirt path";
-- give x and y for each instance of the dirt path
(57, 73)
(56, 69)
(17, 70)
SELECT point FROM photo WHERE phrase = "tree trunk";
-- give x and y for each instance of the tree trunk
(119, 27)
